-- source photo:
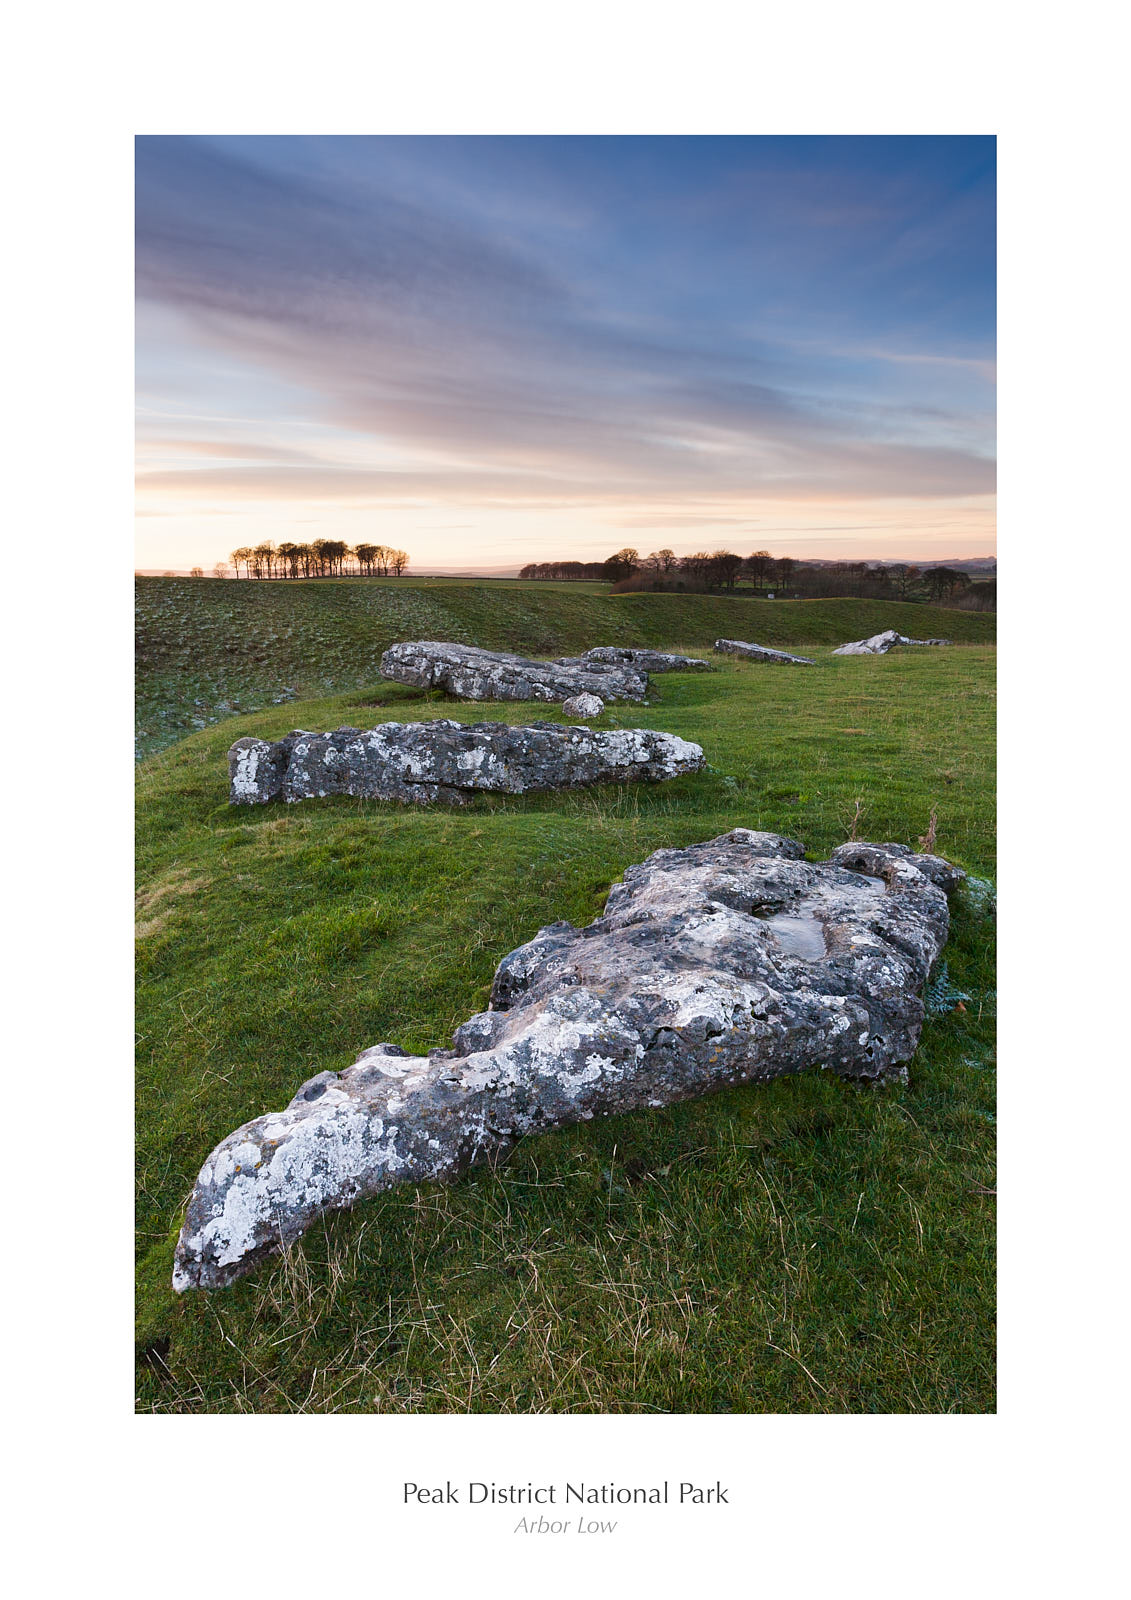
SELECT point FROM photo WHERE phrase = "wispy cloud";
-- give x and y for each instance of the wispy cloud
(449, 358)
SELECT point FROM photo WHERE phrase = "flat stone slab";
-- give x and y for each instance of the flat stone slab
(728, 962)
(760, 652)
(880, 643)
(645, 660)
(473, 674)
(424, 762)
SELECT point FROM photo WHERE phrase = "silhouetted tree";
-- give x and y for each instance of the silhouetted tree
(290, 558)
(623, 564)
(723, 569)
(322, 558)
(943, 581)
(263, 559)
(550, 571)
(902, 577)
(758, 566)
(784, 568)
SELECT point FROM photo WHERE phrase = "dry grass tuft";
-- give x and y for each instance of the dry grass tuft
(855, 820)
(927, 842)
(170, 888)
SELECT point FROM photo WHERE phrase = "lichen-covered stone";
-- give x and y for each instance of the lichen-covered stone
(760, 652)
(472, 674)
(584, 706)
(644, 660)
(890, 861)
(880, 643)
(728, 962)
(422, 762)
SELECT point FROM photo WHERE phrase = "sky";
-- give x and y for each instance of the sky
(488, 351)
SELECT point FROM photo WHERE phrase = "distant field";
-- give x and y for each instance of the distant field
(802, 1246)
(440, 580)
(209, 649)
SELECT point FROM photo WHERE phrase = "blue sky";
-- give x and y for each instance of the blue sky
(488, 350)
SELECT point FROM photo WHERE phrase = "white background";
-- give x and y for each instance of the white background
(1024, 1502)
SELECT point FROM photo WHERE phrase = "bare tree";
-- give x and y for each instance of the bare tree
(263, 559)
(943, 581)
(322, 558)
(623, 564)
(723, 569)
(556, 571)
(289, 559)
(758, 566)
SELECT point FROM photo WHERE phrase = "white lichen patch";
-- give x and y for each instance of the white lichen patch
(245, 774)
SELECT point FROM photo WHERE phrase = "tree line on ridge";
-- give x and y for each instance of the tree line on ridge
(761, 573)
(322, 558)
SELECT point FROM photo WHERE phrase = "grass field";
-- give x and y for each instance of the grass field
(443, 580)
(209, 648)
(806, 1246)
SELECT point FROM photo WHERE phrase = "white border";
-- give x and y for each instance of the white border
(852, 1505)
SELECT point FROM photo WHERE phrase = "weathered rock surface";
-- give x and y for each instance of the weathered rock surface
(584, 706)
(880, 643)
(759, 652)
(727, 962)
(645, 660)
(891, 861)
(473, 674)
(422, 762)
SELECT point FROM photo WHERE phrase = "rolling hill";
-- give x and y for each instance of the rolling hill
(208, 649)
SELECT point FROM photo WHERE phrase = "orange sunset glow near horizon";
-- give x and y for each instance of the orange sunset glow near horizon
(492, 351)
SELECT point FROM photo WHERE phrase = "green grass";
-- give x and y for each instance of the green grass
(442, 581)
(806, 1246)
(207, 649)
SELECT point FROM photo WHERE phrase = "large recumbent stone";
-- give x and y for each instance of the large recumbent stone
(645, 660)
(424, 762)
(472, 674)
(728, 962)
(760, 652)
(880, 643)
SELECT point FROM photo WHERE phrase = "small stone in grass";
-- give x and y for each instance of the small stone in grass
(584, 706)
